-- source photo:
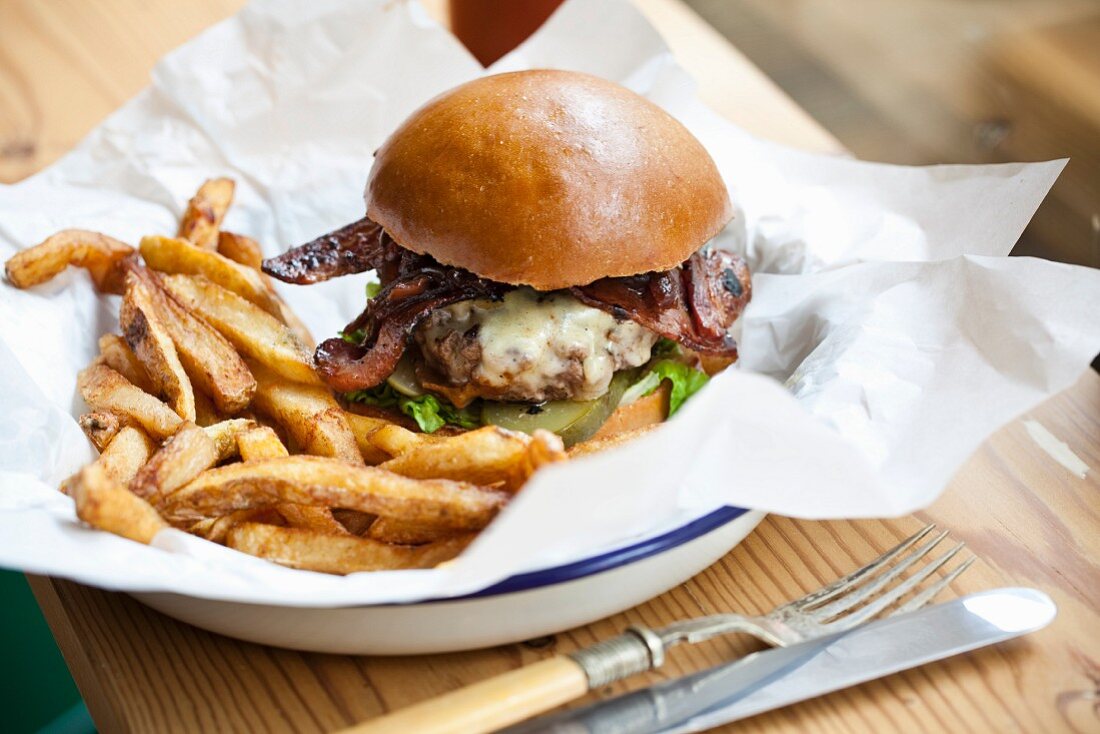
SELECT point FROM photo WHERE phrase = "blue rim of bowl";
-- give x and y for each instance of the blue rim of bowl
(607, 561)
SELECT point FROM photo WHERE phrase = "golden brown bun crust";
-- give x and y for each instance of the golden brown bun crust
(549, 179)
(626, 424)
(643, 412)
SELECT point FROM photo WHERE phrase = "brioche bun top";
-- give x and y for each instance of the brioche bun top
(546, 178)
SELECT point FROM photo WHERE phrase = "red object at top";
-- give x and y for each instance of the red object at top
(492, 28)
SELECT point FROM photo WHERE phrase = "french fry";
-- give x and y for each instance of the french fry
(295, 324)
(260, 443)
(317, 519)
(403, 532)
(226, 434)
(379, 440)
(205, 212)
(188, 453)
(263, 419)
(216, 528)
(119, 357)
(103, 502)
(240, 249)
(309, 414)
(176, 256)
(396, 440)
(126, 453)
(97, 253)
(545, 448)
(208, 358)
(355, 522)
(596, 445)
(337, 554)
(205, 331)
(313, 480)
(144, 330)
(104, 389)
(247, 251)
(100, 427)
(256, 334)
(205, 412)
(364, 425)
(486, 456)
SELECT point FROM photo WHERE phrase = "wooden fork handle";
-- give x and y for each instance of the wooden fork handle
(489, 705)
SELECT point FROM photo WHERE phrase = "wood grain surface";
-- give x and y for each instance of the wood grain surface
(65, 64)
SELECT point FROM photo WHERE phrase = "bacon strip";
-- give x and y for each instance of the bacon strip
(693, 304)
(354, 248)
(720, 286)
(420, 286)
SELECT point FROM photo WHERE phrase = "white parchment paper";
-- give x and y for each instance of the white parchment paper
(888, 335)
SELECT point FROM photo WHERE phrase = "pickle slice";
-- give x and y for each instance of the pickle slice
(404, 379)
(573, 420)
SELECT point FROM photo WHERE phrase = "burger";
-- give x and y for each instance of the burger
(541, 242)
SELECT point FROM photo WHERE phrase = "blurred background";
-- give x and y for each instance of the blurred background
(946, 81)
(900, 81)
(914, 82)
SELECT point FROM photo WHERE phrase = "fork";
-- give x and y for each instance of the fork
(849, 601)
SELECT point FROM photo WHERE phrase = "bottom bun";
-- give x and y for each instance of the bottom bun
(626, 422)
(642, 413)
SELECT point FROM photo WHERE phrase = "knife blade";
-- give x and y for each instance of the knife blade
(781, 676)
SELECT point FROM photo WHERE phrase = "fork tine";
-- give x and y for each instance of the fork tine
(844, 583)
(873, 608)
(879, 582)
(930, 593)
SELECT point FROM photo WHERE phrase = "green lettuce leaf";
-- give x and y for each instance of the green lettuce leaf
(666, 348)
(648, 382)
(685, 381)
(429, 411)
(353, 337)
(425, 411)
(382, 396)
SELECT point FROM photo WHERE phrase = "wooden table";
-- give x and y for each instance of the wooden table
(1031, 521)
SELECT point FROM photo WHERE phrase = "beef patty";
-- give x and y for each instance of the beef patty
(531, 346)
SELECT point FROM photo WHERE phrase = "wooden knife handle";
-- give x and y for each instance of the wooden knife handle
(489, 705)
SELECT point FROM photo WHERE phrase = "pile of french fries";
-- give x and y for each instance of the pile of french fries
(210, 418)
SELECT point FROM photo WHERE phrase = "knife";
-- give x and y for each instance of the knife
(780, 676)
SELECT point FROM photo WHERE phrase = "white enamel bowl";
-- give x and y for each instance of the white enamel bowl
(519, 608)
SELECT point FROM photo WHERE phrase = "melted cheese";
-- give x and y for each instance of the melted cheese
(531, 341)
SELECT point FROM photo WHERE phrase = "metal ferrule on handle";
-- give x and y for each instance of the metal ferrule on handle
(520, 694)
(637, 650)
